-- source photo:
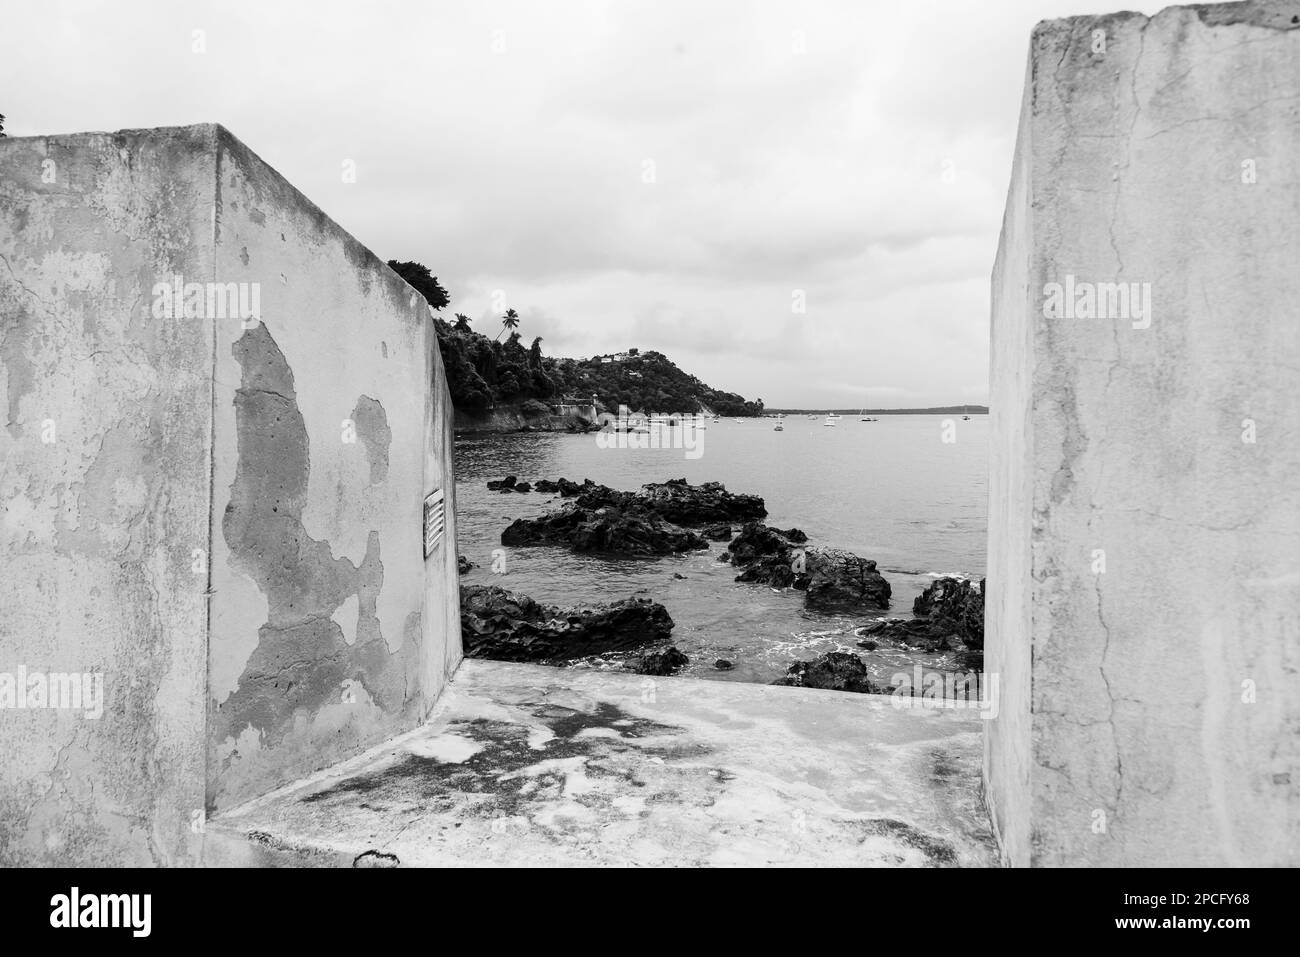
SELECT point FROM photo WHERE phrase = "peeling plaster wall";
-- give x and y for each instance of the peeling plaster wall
(1165, 724)
(326, 636)
(221, 518)
(105, 432)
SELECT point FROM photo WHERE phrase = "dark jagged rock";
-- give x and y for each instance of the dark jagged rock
(570, 489)
(464, 564)
(717, 533)
(659, 663)
(757, 540)
(648, 522)
(508, 626)
(958, 600)
(502, 484)
(603, 530)
(523, 487)
(566, 488)
(833, 579)
(840, 580)
(833, 671)
(766, 556)
(950, 618)
(722, 664)
(674, 501)
(687, 504)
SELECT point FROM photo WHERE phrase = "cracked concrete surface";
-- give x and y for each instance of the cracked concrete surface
(527, 765)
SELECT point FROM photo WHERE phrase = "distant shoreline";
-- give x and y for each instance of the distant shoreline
(937, 410)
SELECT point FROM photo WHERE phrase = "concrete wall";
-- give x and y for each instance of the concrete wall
(1144, 548)
(320, 641)
(104, 493)
(276, 467)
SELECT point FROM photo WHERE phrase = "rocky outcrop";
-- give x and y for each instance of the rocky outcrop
(950, 617)
(563, 486)
(508, 626)
(659, 663)
(958, 601)
(687, 504)
(717, 533)
(767, 556)
(833, 579)
(841, 581)
(646, 522)
(833, 671)
(603, 530)
(674, 501)
(506, 484)
(757, 541)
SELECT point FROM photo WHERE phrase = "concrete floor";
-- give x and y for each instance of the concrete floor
(526, 765)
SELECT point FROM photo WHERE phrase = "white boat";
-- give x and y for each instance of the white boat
(830, 421)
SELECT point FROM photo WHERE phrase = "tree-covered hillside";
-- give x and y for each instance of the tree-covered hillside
(486, 373)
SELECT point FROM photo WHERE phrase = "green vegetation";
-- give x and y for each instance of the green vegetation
(484, 373)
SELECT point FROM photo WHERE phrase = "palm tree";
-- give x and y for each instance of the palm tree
(508, 321)
(462, 322)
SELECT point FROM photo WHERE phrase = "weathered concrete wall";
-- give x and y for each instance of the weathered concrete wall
(323, 417)
(1144, 549)
(229, 524)
(1007, 601)
(104, 478)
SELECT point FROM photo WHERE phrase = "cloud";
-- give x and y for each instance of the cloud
(660, 174)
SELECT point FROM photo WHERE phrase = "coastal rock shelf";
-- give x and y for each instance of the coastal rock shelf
(603, 530)
(507, 626)
(644, 523)
(833, 671)
(950, 617)
(831, 578)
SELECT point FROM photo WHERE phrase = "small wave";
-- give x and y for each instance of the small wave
(804, 642)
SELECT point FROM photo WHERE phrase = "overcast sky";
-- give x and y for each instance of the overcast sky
(667, 175)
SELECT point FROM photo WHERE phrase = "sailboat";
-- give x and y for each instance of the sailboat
(778, 427)
(965, 417)
(865, 417)
(830, 420)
